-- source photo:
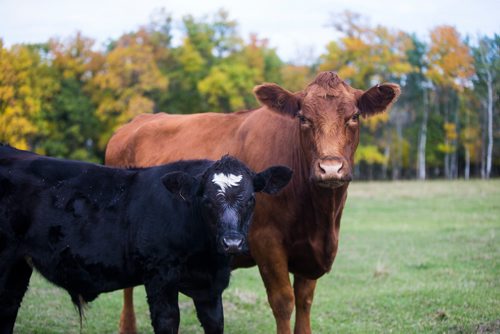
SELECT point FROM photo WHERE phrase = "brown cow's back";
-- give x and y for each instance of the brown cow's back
(153, 139)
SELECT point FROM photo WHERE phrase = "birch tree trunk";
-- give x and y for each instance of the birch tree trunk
(467, 164)
(489, 71)
(423, 139)
(489, 150)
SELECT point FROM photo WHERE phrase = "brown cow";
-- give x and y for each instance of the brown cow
(315, 132)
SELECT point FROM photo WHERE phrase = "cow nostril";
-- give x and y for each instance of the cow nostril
(340, 166)
(321, 169)
(230, 244)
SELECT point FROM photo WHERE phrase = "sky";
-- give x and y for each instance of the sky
(298, 29)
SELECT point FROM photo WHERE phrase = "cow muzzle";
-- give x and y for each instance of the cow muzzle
(331, 172)
(232, 244)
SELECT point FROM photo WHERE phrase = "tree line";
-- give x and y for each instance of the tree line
(66, 97)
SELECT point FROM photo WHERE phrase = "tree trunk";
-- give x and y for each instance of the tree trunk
(484, 137)
(447, 156)
(467, 164)
(489, 151)
(454, 157)
(422, 141)
(387, 151)
(486, 173)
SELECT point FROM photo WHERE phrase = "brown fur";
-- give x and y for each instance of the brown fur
(298, 230)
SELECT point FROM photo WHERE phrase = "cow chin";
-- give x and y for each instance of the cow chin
(331, 183)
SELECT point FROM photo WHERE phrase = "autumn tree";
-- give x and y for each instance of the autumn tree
(73, 127)
(26, 85)
(364, 56)
(450, 69)
(122, 87)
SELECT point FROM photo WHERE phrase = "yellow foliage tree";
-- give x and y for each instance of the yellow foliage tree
(24, 85)
(121, 87)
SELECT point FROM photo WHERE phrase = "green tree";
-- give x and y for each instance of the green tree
(72, 125)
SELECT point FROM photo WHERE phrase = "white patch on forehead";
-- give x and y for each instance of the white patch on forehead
(226, 181)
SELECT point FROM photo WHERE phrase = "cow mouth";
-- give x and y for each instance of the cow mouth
(332, 183)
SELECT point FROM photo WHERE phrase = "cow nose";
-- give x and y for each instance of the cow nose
(330, 168)
(332, 172)
(232, 244)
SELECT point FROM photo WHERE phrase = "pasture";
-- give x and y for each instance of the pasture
(414, 257)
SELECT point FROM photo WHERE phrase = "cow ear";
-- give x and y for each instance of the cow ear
(277, 98)
(272, 179)
(378, 98)
(180, 184)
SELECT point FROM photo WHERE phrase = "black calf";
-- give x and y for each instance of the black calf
(93, 229)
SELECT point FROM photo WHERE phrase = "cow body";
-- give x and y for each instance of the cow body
(315, 132)
(307, 245)
(92, 229)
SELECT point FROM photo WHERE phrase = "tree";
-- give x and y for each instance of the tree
(450, 69)
(228, 86)
(416, 97)
(122, 87)
(26, 83)
(72, 125)
(487, 64)
(364, 56)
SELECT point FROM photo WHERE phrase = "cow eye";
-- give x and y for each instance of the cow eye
(354, 120)
(303, 120)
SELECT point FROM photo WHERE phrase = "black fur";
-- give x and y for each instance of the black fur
(92, 229)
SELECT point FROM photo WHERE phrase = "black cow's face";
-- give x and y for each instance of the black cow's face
(226, 197)
(227, 194)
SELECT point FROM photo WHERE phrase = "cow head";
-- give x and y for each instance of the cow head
(327, 115)
(225, 196)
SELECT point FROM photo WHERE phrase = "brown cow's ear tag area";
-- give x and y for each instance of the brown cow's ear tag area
(277, 99)
(272, 180)
(378, 99)
(180, 184)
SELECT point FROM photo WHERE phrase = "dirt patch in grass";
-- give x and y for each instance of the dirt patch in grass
(492, 327)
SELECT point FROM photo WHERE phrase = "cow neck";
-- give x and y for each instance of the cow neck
(320, 207)
(322, 200)
(201, 228)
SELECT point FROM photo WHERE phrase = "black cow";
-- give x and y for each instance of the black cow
(92, 229)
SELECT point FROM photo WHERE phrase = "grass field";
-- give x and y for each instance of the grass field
(414, 257)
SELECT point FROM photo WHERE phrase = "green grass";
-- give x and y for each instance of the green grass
(414, 257)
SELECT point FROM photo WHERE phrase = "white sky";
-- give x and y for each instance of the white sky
(297, 28)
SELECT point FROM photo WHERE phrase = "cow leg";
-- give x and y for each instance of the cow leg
(127, 318)
(163, 306)
(14, 283)
(271, 258)
(211, 314)
(304, 294)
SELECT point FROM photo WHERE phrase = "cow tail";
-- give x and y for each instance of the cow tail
(80, 305)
